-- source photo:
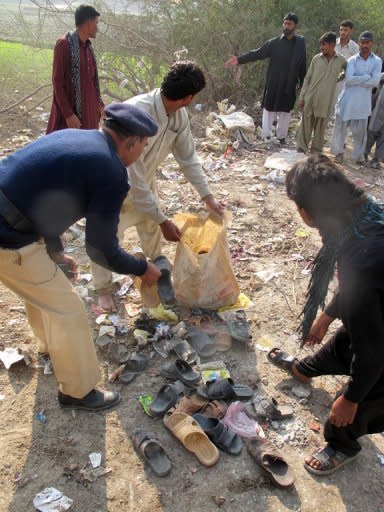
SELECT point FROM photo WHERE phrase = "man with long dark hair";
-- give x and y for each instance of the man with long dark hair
(351, 225)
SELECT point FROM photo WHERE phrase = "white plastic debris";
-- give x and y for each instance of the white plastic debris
(9, 356)
(301, 391)
(51, 500)
(237, 120)
(380, 458)
(95, 459)
(284, 159)
(267, 274)
(108, 330)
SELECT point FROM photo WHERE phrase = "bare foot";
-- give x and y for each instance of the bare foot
(105, 301)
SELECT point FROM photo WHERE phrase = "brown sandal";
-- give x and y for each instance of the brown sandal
(215, 409)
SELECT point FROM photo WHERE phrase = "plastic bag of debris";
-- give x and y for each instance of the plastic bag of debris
(202, 273)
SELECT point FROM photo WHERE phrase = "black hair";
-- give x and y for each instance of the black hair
(183, 79)
(328, 37)
(322, 189)
(84, 13)
(347, 23)
(291, 16)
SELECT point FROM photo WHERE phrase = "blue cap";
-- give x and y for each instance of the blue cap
(133, 120)
(368, 36)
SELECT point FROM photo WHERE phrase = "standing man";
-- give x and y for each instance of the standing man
(354, 105)
(346, 47)
(76, 93)
(285, 75)
(317, 93)
(167, 106)
(45, 187)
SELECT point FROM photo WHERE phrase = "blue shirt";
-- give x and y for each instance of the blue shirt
(61, 178)
(361, 76)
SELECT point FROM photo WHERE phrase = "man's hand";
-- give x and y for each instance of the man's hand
(301, 104)
(343, 412)
(170, 231)
(213, 205)
(319, 329)
(232, 61)
(73, 121)
(151, 275)
(60, 258)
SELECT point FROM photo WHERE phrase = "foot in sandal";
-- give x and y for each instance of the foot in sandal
(287, 363)
(327, 460)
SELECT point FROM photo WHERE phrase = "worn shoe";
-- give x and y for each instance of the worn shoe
(375, 164)
(339, 158)
(282, 141)
(95, 400)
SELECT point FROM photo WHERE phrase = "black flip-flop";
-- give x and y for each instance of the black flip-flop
(135, 365)
(239, 328)
(220, 435)
(201, 342)
(166, 398)
(184, 351)
(282, 360)
(225, 389)
(164, 284)
(150, 448)
(180, 370)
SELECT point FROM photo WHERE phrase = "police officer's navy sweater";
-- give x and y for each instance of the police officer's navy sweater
(61, 178)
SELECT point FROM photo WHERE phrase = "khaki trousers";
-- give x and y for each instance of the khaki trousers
(56, 314)
(310, 124)
(150, 239)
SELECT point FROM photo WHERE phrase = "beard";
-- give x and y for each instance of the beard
(288, 31)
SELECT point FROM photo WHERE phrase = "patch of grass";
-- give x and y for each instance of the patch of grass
(23, 68)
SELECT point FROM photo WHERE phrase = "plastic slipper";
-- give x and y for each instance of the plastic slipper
(271, 461)
(184, 351)
(201, 342)
(214, 409)
(180, 370)
(223, 339)
(166, 398)
(135, 365)
(164, 284)
(193, 438)
(191, 404)
(330, 460)
(222, 436)
(225, 389)
(239, 328)
(150, 448)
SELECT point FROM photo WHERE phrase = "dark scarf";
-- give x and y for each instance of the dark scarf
(73, 41)
(323, 266)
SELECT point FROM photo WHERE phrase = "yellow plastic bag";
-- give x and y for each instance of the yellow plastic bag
(202, 272)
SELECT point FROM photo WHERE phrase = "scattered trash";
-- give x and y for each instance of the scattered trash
(237, 120)
(268, 274)
(108, 330)
(95, 459)
(51, 500)
(41, 417)
(264, 343)
(243, 302)
(141, 337)
(132, 310)
(315, 426)
(302, 233)
(92, 474)
(239, 420)
(380, 458)
(103, 319)
(284, 159)
(274, 176)
(218, 500)
(160, 313)
(116, 373)
(9, 356)
(145, 402)
(215, 370)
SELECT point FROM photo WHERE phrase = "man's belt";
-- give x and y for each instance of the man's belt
(13, 216)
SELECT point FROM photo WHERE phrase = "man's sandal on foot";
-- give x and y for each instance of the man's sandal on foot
(330, 460)
(282, 360)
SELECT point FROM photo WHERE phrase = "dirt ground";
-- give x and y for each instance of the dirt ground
(263, 236)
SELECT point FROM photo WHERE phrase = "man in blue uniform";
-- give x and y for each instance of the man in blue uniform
(44, 188)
